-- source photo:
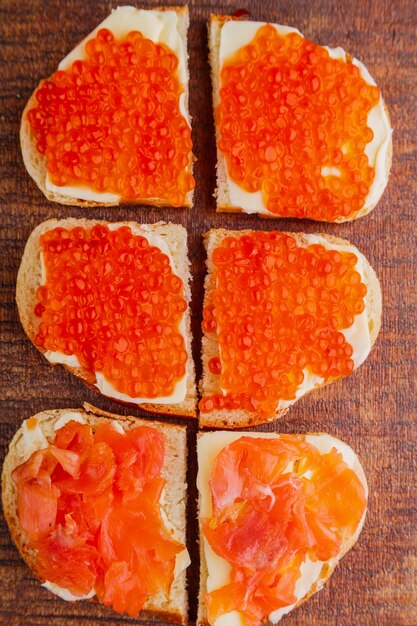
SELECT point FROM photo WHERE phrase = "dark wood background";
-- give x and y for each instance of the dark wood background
(373, 410)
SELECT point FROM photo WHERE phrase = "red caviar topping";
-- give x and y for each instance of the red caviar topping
(89, 505)
(278, 308)
(113, 122)
(215, 365)
(268, 517)
(287, 111)
(113, 300)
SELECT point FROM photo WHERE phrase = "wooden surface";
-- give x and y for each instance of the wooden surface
(373, 410)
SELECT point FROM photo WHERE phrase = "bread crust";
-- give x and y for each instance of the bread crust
(29, 279)
(223, 202)
(327, 569)
(36, 163)
(208, 385)
(175, 608)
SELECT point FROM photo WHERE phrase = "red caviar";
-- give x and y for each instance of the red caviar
(278, 308)
(287, 111)
(113, 300)
(89, 505)
(112, 121)
(268, 517)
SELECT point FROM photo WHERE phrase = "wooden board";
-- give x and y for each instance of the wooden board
(373, 410)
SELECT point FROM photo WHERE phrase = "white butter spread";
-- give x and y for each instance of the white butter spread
(236, 34)
(158, 26)
(71, 360)
(103, 385)
(80, 192)
(32, 439)
(64, 594)
(118, 427)
(233, 618)
(209, 445)
(182, 561)
(71, 416)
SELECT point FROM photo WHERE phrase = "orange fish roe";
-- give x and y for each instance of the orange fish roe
(89, 505)
(287, 111)
(113, 300)
(278, 308)
(267, 519)
(113, 121)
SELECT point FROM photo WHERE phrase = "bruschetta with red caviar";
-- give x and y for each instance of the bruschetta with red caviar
(111, 125)
(110, 302)
(284, 314)
(302, 129)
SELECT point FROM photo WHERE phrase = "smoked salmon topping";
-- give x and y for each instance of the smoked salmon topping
(293, 124)
(113, 300)
(112, 121)
(277, 309)
(89, 505)
(276, 502)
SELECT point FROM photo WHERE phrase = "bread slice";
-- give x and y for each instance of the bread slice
(171, 609)
(218, 440)
(35, 162)
(209, 383)
(222, 194)
(29, 279)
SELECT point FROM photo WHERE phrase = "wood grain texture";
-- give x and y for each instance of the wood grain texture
(373, 410)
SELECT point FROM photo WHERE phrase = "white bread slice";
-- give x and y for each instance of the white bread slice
(222, 193)
(209, 383)
(29, 279)
(171, 609)
(35, 162)
(206, 459)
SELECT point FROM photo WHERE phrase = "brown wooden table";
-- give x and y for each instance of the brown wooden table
(373, 410)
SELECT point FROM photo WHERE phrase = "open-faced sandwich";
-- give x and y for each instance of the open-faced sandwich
(302, 129)
(109, 301)
(284, 313)
(96, 506)
(277, 513)
(111, 125)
